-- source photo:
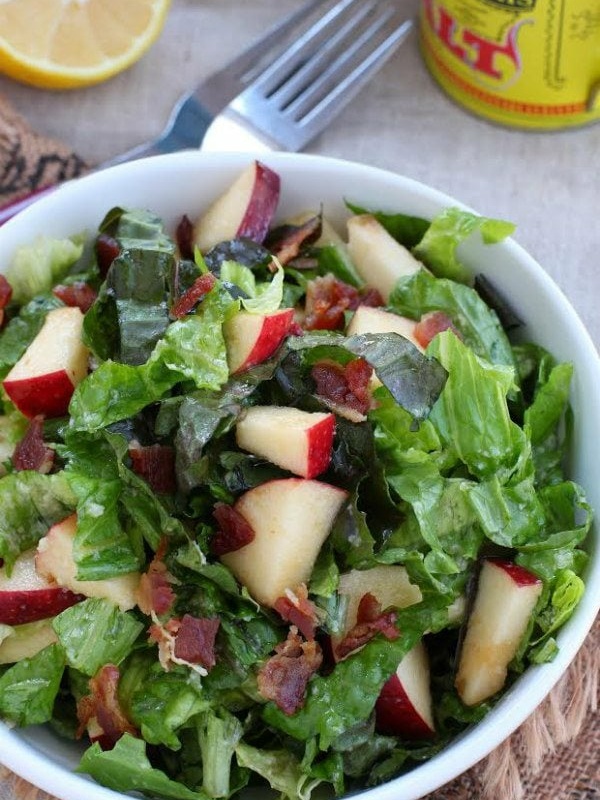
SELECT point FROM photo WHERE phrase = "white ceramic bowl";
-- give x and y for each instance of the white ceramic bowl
(185, 183)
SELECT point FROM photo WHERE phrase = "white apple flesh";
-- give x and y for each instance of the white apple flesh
(54, 560)
(245, 209)
(404, 706)
(506, 597)
(299, 441)
(379, 259)
(44, 378)
(252, 338)
(389, 584)
(375, 320)
(24, 641)
(27, 596)
(291, 519)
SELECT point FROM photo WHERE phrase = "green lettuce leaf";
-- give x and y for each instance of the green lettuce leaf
(280, 768)
(437, 248)
(29, 688)
(95, 632)
(219, 736)
(479, 326)
(136, 228)
(30, 503)
(472, 415)
(126, 768)
(37, 267)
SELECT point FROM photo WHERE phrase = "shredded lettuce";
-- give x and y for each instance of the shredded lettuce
(36, 268)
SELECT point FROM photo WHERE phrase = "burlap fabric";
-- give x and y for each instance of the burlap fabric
(554, 755)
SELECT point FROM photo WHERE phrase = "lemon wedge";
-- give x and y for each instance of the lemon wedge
(63, 44)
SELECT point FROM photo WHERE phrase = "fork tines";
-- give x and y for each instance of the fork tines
(294, 90)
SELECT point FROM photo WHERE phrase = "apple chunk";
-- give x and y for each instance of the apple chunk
(404, 706)
(44, 378)
(375, 320)
(24, 641)
(246, 209)
(299, 441)
(26, 596)
(55, 561)
(389, 584)
(379, 259)
(291, 518)
(506, 597)
(252, 338)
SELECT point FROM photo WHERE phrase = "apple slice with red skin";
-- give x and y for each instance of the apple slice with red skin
(379, 259)
(299, 441)
(44, 378)
(291, 518)
(252, 338)
(504, 602)
(24, 641)
(404, 706)
(245, 209)
(54, 560)
(27, 596)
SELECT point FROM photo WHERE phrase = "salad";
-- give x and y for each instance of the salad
(278, 507)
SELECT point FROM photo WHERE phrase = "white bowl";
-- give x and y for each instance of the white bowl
(185, 183)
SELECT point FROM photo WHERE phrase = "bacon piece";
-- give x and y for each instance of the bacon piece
(100, 712)
(184, 236)
(154, 592)
(370, 621)
(79, 294)
(295, 607)
(283, 677)
(199, 289)
(5, 292)
(286, 242)
(107, 249)
(195, 640)
(155, 464)
(31, 452)
(344, 386)
(327, 298)
(431, 324)
(234, 530)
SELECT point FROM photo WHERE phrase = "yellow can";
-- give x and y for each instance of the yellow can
(525, 63)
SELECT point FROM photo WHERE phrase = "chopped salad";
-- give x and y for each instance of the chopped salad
(281, 505)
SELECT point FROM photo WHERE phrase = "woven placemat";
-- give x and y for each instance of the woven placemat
(554, 755)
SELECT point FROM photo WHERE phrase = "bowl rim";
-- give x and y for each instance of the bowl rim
(530, 689)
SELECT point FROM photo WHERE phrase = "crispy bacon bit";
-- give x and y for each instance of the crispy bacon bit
(195, 640)
(344, 386)
(155, 464)
(100, 712)
(199, 289)
(234, 530)
(31, 452)
(107, 249)
(154, 592)
(327, 298)
(369, 622)
(284, 677)
(5, 292)
(78, 294)
(287, 241)
(184, 236)
(295, 607)
(431, 324)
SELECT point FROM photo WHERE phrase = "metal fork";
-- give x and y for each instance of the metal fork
(286, 88)
(290, 85)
